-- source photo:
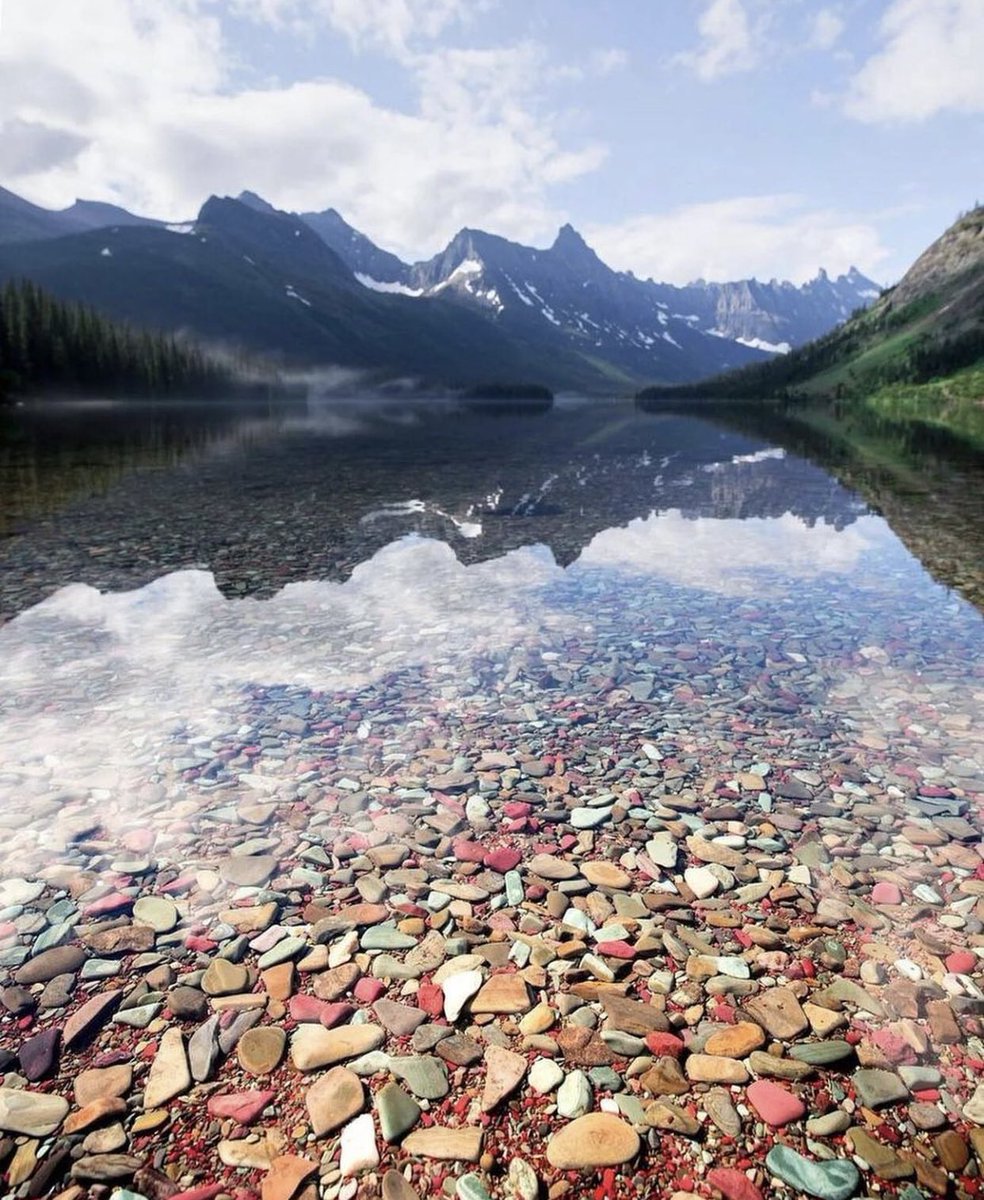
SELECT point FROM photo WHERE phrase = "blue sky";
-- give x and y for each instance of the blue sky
(684, 138)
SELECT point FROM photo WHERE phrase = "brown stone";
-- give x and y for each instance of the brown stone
(502, 994)
(735, 1041)
(287, 1173)
(779, 1012)
(104, 1082)
(633, 1016)
(260, 1050)
(591, 1141)
(334, 1099)
(453, 1145)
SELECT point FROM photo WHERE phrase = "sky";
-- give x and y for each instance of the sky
(685, 139)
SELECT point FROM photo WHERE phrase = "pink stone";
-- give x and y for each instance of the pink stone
(335, 1014)
(465, 851)
(367, 990)
(243, 1107)
(774, 1104)
(732, 1184)
(961, 962)
(201, 945)
(502, 860)
(894, 1047)
(430, 998)
(616, 949)
(107, 904)
(306, 1008)
(516, 808)
(886, 893)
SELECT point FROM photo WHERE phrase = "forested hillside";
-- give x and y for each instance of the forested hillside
(49, 345)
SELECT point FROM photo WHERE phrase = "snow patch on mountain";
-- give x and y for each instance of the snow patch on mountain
(382, 285)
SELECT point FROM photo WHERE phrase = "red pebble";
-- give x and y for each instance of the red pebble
(961, 962)
(885, 892)
(616, 949)
(465, 851)
(334, 1014)
(201, 945)
(515, 808)
(733, 1185)
(895, 1048)
(664, 1043)
(502, 860)
(243, 1107)
(430, 998)
(368, 990)
(774, 1104)
(306, 1008)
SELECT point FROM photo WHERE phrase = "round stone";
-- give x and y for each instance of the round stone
(157, 912)
(261, 1049)
(594, 1140)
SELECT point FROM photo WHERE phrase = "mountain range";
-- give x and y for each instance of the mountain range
(913, 362)
(310, 290)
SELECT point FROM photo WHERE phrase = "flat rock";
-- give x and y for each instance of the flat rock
(876, 1087)
(60, 960)
(285, 1175)
(502, 994)
(835, 1179)
(397, 1112)
(594, 1140)
(169, 1073)
(779, 1012)
(504, 1073)
(335, 1098)
(33, 1113)
(247, 870)
(88, 1019)
(312, 1046)
(459, 1145)
(776, 1105)
(104, 1082)
(735, 1041)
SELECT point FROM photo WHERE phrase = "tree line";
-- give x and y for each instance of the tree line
(53, 345)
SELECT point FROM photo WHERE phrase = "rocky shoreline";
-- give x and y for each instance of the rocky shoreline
(514, 960)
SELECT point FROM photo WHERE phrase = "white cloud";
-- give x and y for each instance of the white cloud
(136, 104)
(929, 62)
(727, 43)
(388, 25)
(826, 30)
(772, 235)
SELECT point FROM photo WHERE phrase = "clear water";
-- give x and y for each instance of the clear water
(207, 603)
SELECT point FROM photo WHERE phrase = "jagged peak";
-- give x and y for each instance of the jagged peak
(569, 241)
(252, 200)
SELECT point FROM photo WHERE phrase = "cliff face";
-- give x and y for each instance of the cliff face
(959, 252)
(948, 280)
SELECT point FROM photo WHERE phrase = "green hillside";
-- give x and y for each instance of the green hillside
(916, 356)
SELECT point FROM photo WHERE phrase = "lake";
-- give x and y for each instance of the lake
(330, 643)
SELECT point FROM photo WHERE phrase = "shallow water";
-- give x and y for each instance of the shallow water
(211, 599)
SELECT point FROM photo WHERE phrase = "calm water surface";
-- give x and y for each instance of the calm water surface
(187, 589)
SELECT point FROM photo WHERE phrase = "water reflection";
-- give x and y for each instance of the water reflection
(309, 493)
(120, 710)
